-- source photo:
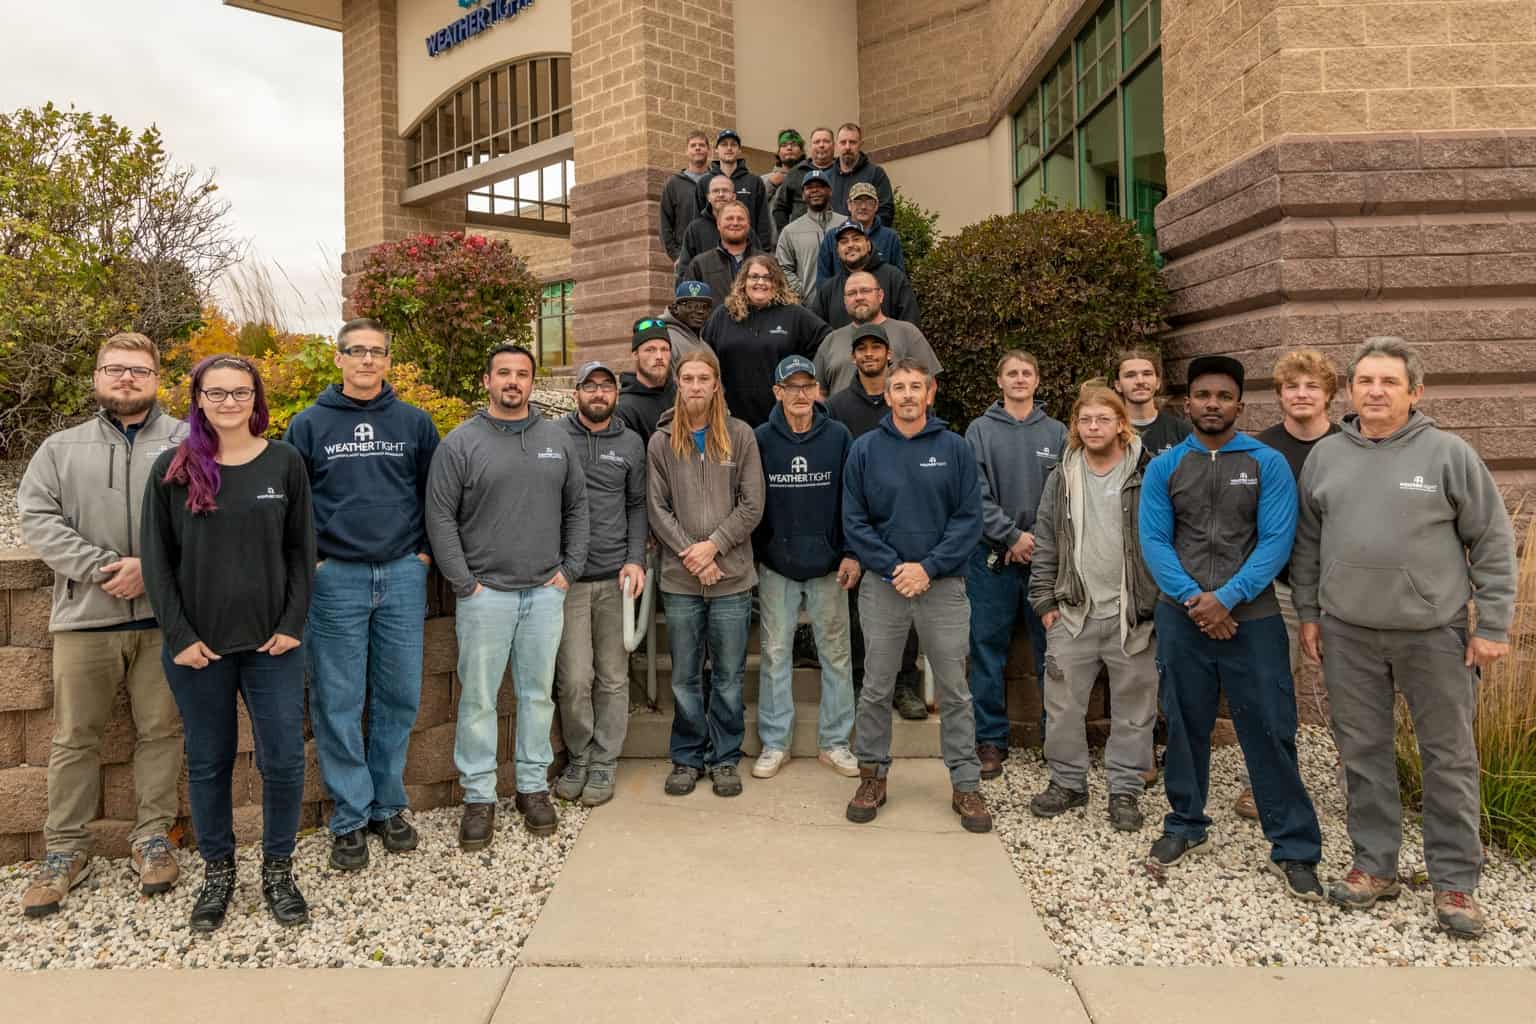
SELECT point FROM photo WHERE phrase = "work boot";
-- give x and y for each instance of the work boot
(1459, 914)
(909, 704)
(349, 851)
(1169, 849)
(599, 787)
(870, 796)
(399, 834)
(974, 816)
(1360, 890)
(281, 893)
(991, 757)
(724, 780)
(213, 898)
(1244, 806)
(1125, 813)
(155, 862)
(538, 812)
(1056, 799)
(572, 781)
(476, 827)
(682, 780)
(59, 873)
(1300, 879)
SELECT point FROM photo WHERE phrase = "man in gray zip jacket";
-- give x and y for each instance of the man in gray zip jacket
(1400, 524)
(800, 240)
(80, 503)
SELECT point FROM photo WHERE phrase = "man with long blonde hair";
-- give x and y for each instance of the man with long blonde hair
(705, 497)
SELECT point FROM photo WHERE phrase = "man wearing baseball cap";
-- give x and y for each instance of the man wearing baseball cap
(863, 210)
(802, 559)
(800, 241)
(1218, 515)
(788, 202)
(855, 253)
(649, 390)
(853, 168)
(750, 191)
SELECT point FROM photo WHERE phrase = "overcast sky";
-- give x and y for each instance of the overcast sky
(254, 97)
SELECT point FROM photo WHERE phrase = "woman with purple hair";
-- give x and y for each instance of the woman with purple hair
(228, 559)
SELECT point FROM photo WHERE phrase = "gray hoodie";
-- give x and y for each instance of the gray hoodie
(1400, 533)
(614, 461)
(800, 243)
(1015, 456)
(507, 504)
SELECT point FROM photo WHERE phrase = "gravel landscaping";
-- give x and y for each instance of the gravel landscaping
(10, 522)
(1100, 905)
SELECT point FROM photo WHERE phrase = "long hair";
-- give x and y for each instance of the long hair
(717, 439)
(1098, 394)
(195, 463)
(783, 295)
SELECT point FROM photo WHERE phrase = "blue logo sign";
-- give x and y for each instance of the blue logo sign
(483, 14)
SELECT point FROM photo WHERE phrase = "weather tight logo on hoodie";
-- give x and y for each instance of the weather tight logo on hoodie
(1418, 484)
(363, 445)
(932, 463)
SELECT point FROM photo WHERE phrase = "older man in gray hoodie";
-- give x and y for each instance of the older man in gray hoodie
(1400, 525)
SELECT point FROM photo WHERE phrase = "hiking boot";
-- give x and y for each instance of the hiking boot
(840, 760)
(571, 781)
(59, 872)
(974, 816)
(804, 647)
(682, 780)
(991, 757)
(724, 780)
(399, 835)
(1169, 849)
(155, 862)
(1300, 879)
(599, 787)
(1360, 891)
(538, 812)
(1459, 914)
(909, 704)
(1244, 806)
(1125, 813)
(476, 827)
(213, 898)
(870, 796)
(281, 893)
(349, 851)
(1057, 799)
(769, 762)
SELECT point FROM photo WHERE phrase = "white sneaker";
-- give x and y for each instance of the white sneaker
(768, 763)
(840, 760)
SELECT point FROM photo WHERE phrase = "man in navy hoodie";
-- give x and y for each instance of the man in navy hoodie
(367, 454)
(912, 514)
(801, 556)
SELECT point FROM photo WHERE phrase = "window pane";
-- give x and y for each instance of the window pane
(1058, 92)
(1027, 192)
(1097, 67)
(1026, 136)
(1147, 164)
(1100, 163)
(1061, 175)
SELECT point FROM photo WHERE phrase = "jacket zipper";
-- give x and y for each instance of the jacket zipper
(1211, 537)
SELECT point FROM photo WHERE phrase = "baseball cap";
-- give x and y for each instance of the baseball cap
(863, 190)
(649, 329)
(595, 366)
(791, 365)
(694, 290)
(845, 227)
(790, 135)
(727, 133)
(1202, 365)
(876, 331)
(815, 176)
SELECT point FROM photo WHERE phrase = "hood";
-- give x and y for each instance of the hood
(807, 164)
(933, 426)
(872, 263)
(518, 427)
(664, 421)
(997, 413)
(670, 319)
(1239, 442)
(780, 424)
(858, 165)
(573, 423)
(1349, 426)
(629, 384)
(740, 171)
(1138, 455)
(332, 398)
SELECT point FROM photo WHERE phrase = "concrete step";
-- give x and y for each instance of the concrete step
(805, 683)
(650, 733)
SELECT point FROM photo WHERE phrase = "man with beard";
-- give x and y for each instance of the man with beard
(854, 168)
(592, 668)
(885, 241)
(703, 232)
(854, 253)
(800, 240)
(685, 318)
(507, 472)
(788, 202)
(1138, 377)
(1217, 517)
(747, 187)
(719, 266)
(863, 299)
(80, 502)
(680, 197)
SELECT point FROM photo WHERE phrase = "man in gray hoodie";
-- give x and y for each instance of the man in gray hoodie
(508, 520)
(1401, 524)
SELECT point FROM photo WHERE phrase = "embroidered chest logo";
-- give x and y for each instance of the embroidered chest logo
(778, 330)
(271, 495)
(1418, 484)
(1046, 453)
(612, 456)
(932, 463)
(1244, 480)
(550, 453)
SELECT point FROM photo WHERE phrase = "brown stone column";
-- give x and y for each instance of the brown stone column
(643, 74)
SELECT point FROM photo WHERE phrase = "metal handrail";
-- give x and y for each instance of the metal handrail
(632, 631)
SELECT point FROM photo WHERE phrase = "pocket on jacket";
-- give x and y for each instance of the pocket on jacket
(1375, 596)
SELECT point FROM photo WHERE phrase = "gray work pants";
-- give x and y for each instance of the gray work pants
(1071, 667)
(942, 617)
(1361, 667)
(592, 674)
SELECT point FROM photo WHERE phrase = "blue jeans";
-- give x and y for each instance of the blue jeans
(273, 691)
(998, 599)
(494, 626)
(364, 639)
(707, 721)
(1254, 670)
(827, 605)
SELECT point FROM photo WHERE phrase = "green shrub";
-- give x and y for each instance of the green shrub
(917, 228)
(1070, 286)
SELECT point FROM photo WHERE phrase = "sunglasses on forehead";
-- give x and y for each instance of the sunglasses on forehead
(648, 323)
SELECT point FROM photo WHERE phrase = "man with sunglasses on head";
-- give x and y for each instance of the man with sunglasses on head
(367, 455)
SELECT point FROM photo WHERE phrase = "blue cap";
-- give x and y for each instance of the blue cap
(845, 227)
(816, 174)
(727, 133)
(791, 365)
(694, 290)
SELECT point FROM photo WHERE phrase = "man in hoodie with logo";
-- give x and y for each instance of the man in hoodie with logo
(80, 501)
(911, 515)
(592, 669)
(749, 188)
(1401, 524)
(703, 233)
(897, 300)
(1017, 446)
(801, 558)
(367, 455)
(719, 266)
(680, 196)
(1218, 513)
(788, 201)
(800, 240)
(884, 240)
(504, 473)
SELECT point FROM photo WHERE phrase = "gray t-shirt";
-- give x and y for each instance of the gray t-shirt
(1101, 556)
(834, 359)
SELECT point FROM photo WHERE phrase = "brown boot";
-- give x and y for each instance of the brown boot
(476, 827)
(59, 872)
(991, 758)
(1244, 805)
(870, 797)
(973, 812)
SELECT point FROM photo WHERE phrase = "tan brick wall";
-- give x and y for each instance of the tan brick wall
(925, 69)
(548, 256)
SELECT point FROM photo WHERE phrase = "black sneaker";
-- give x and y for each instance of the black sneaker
(1057, 800)
(1300, 879)
(682, 780)
(398, 834)
(1125, 813)
(1170, 849)
(281, 892)
(909, 704)
(213, 898)
(349, 851)
(724, 780)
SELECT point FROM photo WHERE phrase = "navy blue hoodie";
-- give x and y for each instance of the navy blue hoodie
(801, 535)
(912, 499)
(367, 463)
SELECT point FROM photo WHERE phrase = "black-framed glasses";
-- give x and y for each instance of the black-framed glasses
(115, 370)
(761, 278)
(218, 396)
(800, 389)
(593, 387)
(365, 351)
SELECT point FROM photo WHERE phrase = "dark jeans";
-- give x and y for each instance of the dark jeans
(273, 691)
(1254, 670)
(708, 718)
(998, 601)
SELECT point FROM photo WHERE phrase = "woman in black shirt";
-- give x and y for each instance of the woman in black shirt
(228, 558)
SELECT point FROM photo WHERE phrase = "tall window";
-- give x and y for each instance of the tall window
(1091, 133)
(553, 329)
(538, 199)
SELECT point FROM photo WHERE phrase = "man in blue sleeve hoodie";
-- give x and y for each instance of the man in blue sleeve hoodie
(1218, 514)
(368, 454)
(912, 515)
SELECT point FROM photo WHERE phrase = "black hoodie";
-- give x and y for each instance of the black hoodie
(749, 351)
(701, 235)
(679, 206)
(800, 536)
(641, 405)
(751, 193)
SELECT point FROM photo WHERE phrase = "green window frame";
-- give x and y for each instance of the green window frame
(552, 331)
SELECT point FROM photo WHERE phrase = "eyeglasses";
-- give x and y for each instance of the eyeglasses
(1097, 421)
(760, 278)
(364, 352)
(799, 389)
(593, 387)
(114, 371)
(860, 291)
(218, 396)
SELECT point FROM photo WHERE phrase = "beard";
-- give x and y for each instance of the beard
(600, 411)
(121, 404)
(508, 401)
(863, 314)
